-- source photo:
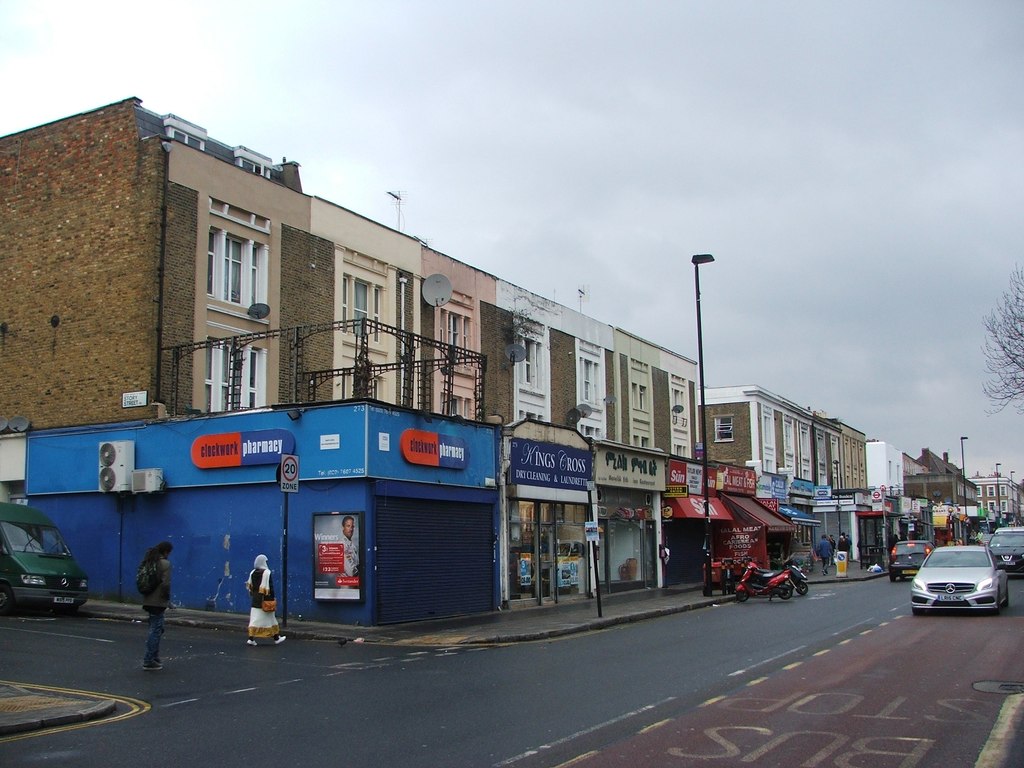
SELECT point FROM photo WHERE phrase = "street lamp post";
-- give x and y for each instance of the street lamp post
(999, 503)
(835, 495)
(963, 473)
(697, 260)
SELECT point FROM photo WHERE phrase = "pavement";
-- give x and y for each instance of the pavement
(25, 707)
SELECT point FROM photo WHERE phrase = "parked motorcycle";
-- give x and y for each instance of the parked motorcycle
(758, 583)
(796, 576)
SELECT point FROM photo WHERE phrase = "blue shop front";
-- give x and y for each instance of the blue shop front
(395, 516)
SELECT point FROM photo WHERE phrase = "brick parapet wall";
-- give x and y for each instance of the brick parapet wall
(80, 235)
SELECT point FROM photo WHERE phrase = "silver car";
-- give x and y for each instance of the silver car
(961, 578)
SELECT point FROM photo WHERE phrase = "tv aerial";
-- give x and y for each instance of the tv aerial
(436, 290)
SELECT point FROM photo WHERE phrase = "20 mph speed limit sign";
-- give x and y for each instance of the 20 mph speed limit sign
(289, 473)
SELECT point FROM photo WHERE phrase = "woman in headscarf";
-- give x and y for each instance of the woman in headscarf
(260, 585)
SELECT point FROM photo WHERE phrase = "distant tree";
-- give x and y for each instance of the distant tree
(1004, 347)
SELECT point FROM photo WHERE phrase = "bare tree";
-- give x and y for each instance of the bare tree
(1004, 347)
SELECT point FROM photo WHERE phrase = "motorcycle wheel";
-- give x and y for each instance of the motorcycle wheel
(785, 591)
(741, 595)
(801, 587)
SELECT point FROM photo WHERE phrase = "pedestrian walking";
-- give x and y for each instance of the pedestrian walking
(263, 613)
(156, 600)
(824, 551)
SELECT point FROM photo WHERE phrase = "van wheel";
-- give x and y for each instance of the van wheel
(6, 600)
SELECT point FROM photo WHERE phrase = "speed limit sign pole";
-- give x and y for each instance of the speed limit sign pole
(288, 476)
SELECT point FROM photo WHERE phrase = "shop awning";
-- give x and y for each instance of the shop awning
(692, 507)
(870, 513)
(798, 515)
(772, 522)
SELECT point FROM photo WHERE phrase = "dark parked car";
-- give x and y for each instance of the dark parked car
(1007, 547)
(906, 557)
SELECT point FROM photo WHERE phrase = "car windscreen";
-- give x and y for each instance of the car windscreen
(34, 539)
(944, 558)
(1014, 539)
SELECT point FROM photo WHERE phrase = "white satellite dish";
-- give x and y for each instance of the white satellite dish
(258, 311)
(437, 290)
(515, 353)
(19, 424)
(3, 423)
(584, 410)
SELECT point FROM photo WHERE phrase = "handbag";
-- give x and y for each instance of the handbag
(269, 605)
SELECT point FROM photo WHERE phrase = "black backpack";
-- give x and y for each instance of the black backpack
(147, 577)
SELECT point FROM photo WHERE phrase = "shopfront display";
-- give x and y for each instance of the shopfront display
(546, 507)
(629, 483)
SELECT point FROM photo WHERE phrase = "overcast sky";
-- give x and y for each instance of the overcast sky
(854, 167)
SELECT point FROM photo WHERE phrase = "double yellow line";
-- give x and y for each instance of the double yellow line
(134, 707)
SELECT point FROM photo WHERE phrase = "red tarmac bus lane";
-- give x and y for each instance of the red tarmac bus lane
(909, 693)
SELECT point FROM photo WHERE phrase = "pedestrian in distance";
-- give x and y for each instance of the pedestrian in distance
(156, 601)
(263, 610)
(824, 551)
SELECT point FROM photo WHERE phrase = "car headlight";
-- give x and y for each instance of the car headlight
(985, 584)
(31, 580)
(918, 584)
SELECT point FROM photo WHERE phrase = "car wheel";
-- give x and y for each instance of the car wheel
(1006, 599)
(892, 576)
(6, 600)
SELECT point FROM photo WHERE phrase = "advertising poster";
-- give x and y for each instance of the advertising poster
(337, 555)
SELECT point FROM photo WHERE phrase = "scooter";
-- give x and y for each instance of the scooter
(757, 583)
(796, 576)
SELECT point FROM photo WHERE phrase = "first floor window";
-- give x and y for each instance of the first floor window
(723, 429)
(252, 383)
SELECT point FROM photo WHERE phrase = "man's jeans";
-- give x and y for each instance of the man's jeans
(156, 630)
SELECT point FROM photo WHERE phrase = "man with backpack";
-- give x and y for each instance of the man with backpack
(153, 581)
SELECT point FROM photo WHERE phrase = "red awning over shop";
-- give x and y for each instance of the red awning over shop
(693, 507)
(872, 513)
(772, 522)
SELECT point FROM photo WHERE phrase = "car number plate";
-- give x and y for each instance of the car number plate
(949, 598)
(910, 571)
(64, 600)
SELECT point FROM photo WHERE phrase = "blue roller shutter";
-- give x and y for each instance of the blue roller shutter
(434, 559)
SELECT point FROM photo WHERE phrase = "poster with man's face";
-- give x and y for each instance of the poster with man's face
(336, 556)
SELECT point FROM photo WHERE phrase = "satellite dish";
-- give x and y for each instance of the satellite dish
(437, 290)
(3, 423)
(584, 410)
(610, 400)
(515, 353)
(18, 424)
(258, 311)
(573, 416)
(677, 409)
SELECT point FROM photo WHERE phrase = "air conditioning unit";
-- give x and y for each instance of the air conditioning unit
(116, 464)
(147, 480)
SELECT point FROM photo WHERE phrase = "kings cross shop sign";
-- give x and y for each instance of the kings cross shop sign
(549, 465)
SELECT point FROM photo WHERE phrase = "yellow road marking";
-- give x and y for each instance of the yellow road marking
(135, 707)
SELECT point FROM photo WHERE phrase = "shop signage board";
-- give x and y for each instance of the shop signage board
(549, 465)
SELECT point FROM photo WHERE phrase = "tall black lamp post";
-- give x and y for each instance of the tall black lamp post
(697, 260)
(963, 474)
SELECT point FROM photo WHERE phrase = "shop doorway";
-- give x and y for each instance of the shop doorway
(547, 553)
